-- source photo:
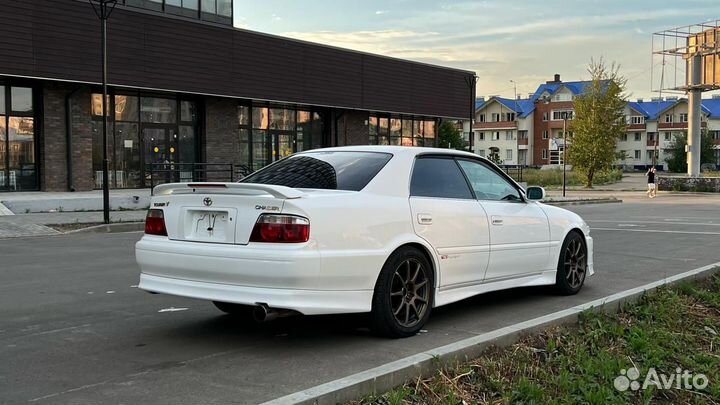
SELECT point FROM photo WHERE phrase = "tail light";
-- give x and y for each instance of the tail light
(155, 223)
(271, 228)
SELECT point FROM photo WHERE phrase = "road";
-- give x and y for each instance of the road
(74, 329)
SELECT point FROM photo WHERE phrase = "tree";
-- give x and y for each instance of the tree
(677, 159)
(599, 121)
(449, 136)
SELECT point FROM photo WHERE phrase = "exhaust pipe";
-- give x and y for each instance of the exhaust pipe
(263, 313)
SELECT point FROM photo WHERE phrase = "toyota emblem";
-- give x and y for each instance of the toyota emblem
(207, 201)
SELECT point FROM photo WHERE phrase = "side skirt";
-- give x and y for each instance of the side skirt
(444, 297)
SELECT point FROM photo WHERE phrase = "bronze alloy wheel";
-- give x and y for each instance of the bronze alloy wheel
(409, 293)
(575, 263)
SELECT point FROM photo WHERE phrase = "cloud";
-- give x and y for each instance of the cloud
(522, 41)
(276, 17)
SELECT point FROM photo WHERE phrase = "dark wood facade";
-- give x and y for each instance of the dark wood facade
(59, 40)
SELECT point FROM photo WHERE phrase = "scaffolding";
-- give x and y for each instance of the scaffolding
(687, 60)
(672, 54)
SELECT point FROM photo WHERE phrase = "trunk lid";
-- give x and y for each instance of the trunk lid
(217, 212)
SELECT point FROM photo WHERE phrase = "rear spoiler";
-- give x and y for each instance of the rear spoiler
(226, 188)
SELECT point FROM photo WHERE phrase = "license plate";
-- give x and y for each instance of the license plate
(209, 226)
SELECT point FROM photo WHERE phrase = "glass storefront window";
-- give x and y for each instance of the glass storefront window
(2, 101)
(224, 8)
(176, 3)
(260, 156)
(127, 173)
(260, 117)
(126, 108)
(97, 106)
(187, 111)
(158, 110)
(143, 131)
(401, 131)
(243, 115)
(395, 131)
(429, 129)
(282, 119)
(318, 129)
(21, 99)
(186, 143)
(21, 145)
(208, 6)
(190, 4)
(304, 128)
(3, 151)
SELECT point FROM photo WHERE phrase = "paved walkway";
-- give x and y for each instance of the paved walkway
(16, 226)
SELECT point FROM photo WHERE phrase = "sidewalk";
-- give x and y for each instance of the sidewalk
(17, 226)
(33, 202)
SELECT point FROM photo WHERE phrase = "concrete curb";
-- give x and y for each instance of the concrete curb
(388, 376)
(584, 202)
(110, 228)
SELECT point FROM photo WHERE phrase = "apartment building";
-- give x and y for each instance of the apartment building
(532, 131)
(525, 131)
(653, 124)
(503, 130)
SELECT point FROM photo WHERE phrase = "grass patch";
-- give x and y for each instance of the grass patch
(550, 178)
(668, 329)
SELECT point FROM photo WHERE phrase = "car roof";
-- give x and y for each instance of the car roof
(398, 150)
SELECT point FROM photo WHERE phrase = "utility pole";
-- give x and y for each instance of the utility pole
(103, 9)
(694, 113)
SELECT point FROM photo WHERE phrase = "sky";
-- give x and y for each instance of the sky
(526, 41)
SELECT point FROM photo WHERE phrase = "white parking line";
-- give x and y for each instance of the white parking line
(666, 222)
(654, 231)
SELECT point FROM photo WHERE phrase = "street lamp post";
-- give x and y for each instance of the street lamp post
(565, 145)
(103, 9)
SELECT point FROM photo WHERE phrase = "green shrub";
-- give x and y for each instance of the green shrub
(547, 178)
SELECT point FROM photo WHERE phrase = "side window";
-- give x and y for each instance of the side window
(487, 184)
(437, 177)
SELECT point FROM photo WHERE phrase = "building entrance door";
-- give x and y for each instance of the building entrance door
(160, 152)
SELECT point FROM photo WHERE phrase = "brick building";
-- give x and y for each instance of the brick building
(186, 88)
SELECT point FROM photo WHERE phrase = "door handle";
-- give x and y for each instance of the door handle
(424, 219)
(496, 220)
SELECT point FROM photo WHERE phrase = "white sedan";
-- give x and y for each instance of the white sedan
(393, 231)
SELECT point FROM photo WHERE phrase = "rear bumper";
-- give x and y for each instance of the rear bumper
(286, 277)
(591, 265)
(307, 302)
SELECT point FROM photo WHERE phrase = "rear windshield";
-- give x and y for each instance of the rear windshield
(350, 171)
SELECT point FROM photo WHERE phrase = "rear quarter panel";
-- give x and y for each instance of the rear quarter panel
(355, 233)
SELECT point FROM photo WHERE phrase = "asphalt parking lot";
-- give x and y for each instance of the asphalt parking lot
(74, 329)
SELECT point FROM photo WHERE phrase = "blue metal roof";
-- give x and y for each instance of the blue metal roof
(576, 88)
(712, 107)
(523, 107)
(653, 109)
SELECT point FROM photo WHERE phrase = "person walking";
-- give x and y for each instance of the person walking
(652, 187)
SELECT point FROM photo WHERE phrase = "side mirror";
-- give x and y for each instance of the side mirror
(535, 193)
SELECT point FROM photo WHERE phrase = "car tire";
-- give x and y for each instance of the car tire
(234, 309)
(403, 296)
(572, 265)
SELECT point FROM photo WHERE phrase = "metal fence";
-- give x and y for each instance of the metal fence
(514, 171)
(161, 173)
